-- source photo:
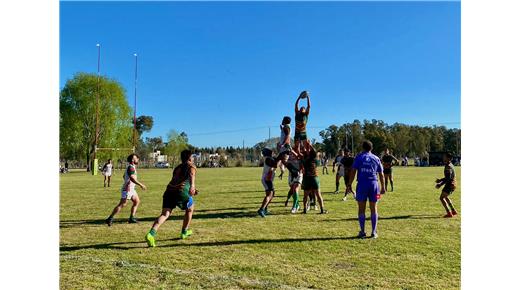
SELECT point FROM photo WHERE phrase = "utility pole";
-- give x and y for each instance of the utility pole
(93, 167)
(244, 150)
(135, 103)
(269, 133)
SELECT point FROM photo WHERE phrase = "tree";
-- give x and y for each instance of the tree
(78, 116)
(143, 124)
(176, 143)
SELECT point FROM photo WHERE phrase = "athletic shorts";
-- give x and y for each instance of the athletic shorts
(341, 171)
(368, 190)
(311, 183)
(300, 136)
(387, 170)
(172, 200)
(268, 185)
(448, 188)
(128, 194)
(295, 179)
(284, 147)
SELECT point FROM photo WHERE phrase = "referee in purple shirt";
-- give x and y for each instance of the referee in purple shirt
(368, 168)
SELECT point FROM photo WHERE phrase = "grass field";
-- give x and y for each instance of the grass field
(233, 248)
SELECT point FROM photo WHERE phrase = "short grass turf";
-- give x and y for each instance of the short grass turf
(233, 248)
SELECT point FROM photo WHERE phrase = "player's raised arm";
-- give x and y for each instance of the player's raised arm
(296, 104)
(308, 104)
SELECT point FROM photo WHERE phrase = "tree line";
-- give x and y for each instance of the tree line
(78, 118)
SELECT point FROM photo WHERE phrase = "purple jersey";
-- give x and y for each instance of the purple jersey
(367, 166)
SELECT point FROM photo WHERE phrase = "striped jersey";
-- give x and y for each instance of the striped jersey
(128, 185)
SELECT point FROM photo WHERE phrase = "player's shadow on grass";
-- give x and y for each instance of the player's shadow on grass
(117, 246)
(399, 217)
(176, 216)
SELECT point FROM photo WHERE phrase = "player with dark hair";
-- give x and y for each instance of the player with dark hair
(284, 144)
(340, 172)
(128, 190)
(179, 193)
(449, 183)
(388, 162)
(300, 119)
(311, 181)
(347, 161)
(368, 168)
(270, 165)
(107, 172)
(295, 167)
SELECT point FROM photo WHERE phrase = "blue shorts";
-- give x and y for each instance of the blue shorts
(368, 190)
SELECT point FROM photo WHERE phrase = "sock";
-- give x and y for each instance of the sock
(131, 216)
(295, 200)
(337, 185)
(361, 218)
(184, 230)
(373, 218)
(392, 185)
(111, 217)
(153, 232)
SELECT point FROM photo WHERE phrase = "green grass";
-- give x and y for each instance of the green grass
(233, 248)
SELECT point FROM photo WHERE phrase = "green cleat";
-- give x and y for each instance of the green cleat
(150, 240)
(185, 234)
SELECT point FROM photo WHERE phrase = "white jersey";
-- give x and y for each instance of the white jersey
(128, 185)
(108, 170)
(338, 162)
(269, 171)
(283, 135)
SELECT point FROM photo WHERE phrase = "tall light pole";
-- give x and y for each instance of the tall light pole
(96, 134)
(135, 103)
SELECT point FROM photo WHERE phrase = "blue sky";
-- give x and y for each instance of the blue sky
(221, 68)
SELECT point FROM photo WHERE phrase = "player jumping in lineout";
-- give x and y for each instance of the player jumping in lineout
(300, 119)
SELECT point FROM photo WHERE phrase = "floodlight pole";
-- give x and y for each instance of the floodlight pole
(135, 102)
(96, 134)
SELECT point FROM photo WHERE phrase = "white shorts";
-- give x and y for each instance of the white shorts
(295, 179)
(128, 194)
(341, 171)
(107, 173)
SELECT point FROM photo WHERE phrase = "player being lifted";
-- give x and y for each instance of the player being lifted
(388, 161)
(449, 183)
(284, 144)
(128, 190)
(179, 193)
(268, 174)
(340, 172)
(300, 119)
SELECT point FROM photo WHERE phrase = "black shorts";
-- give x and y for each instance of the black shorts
(172, 200)
(449, 188)
(387, 170)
